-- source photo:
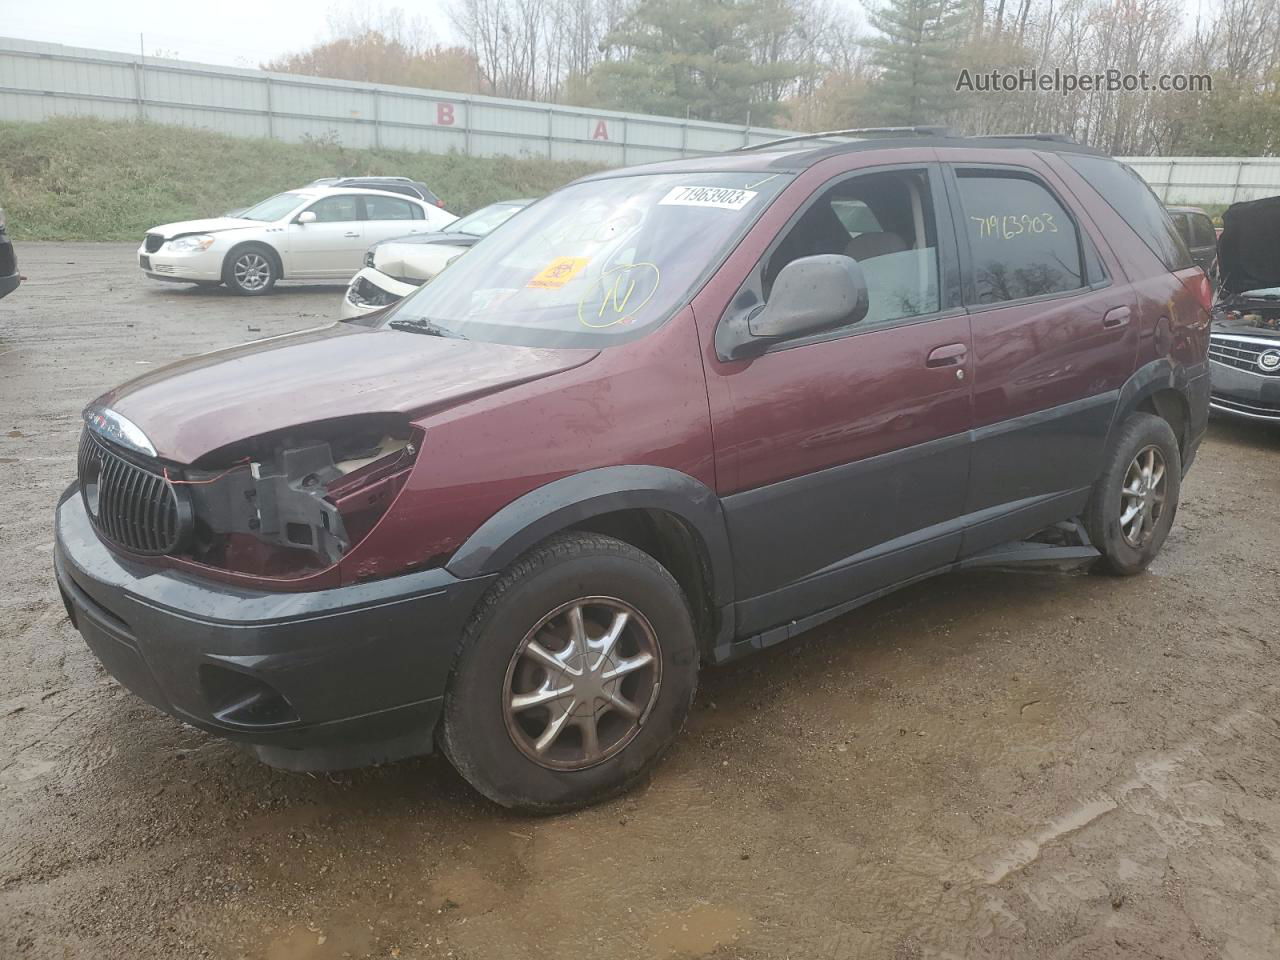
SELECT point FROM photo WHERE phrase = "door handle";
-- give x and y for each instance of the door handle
(351, 234)
(1115, 318)
(946, 356)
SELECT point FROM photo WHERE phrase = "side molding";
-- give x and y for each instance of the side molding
(571, 500)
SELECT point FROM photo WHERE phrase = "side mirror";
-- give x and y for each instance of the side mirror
(812, 294)
(306, 216)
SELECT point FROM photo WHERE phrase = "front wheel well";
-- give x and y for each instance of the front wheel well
(670, 541)
(1172, 407)
(266, 248)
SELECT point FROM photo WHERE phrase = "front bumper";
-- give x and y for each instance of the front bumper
(161, 265)
(371, 290)
(321, 680)
(1240, 393)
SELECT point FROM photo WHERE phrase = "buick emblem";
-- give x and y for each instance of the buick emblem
(1269, 361)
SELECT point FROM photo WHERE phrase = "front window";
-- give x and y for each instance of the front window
(274, 208)
(485, 220)
(595, 263)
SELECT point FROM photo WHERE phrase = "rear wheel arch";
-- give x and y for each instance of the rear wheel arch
(1160, 387)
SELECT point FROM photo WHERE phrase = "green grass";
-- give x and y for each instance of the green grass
(83, 179)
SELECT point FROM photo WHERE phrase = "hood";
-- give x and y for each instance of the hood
(212, 225)
(420, 260)
(1249, 248)
(196, 406)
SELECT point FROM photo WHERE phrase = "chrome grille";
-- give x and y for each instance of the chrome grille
(131, 505)
(154, 242)
(1242, 352)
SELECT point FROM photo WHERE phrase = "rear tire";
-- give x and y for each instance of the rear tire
(544, 712)
(1134, 502)
(251, 270)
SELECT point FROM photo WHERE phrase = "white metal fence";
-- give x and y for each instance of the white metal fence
(1215, 180)
(42, 80)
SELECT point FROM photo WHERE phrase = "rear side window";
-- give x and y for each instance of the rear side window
(1202, 232)
(1024, 243)
(1129, 195)
(387, 208)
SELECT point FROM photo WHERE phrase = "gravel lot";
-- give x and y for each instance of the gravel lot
(987, 765)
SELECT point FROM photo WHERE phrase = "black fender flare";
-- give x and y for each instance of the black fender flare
(1149, 379)
(563, 503)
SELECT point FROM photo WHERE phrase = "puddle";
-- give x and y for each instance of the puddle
(698, 931)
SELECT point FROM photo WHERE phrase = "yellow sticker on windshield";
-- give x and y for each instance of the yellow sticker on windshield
(558, 272)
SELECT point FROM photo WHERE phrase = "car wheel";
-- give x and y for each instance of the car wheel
(1133, 503)
(250, 271)
(575, 674)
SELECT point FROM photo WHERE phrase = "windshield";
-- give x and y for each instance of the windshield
(273, 208)
(595, 263)
(483, 221)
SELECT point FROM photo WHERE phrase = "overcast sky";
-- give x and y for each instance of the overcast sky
(239, 33)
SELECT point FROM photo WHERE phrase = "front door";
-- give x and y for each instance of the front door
(330, 246)
(842, 458)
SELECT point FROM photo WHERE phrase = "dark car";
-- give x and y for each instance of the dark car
(1198, 233)
(1244, 347)
(9, 276)
(410, 188)
(667, 416)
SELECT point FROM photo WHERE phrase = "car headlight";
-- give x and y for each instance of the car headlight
(192, 244)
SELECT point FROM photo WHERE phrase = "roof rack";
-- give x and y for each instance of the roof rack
(1052, 137)
(852, 132)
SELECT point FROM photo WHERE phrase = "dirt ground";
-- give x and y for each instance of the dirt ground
(986, 765)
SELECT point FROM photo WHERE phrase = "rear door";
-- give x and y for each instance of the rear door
(1054, 340)
(332, 245)
(842, 458)
(388, 217)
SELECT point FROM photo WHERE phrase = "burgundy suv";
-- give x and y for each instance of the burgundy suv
(666, 416)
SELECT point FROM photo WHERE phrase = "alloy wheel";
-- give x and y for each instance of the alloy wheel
(581, 683)
(1142, 496)
(252, 271)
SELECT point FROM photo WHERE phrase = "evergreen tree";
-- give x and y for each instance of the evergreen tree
(916, 56)
(706, 59)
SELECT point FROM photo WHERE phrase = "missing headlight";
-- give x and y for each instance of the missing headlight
(288, 505)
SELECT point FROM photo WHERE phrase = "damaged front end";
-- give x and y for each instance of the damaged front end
(282, 505)
(1244, 342)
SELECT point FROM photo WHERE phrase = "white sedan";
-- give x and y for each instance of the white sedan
(316, 233)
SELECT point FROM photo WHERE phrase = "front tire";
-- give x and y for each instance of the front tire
(576, 672)
(1132, 506)
(250, 270)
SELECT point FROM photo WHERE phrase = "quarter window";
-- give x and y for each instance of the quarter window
(335, 209)
(387, 208)
(1024, 243)
(1128, 194)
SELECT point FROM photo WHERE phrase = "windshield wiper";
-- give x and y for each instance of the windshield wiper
(424, 327)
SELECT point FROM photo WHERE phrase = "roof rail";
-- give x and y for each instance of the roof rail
(1052, 137)
(852, 132)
